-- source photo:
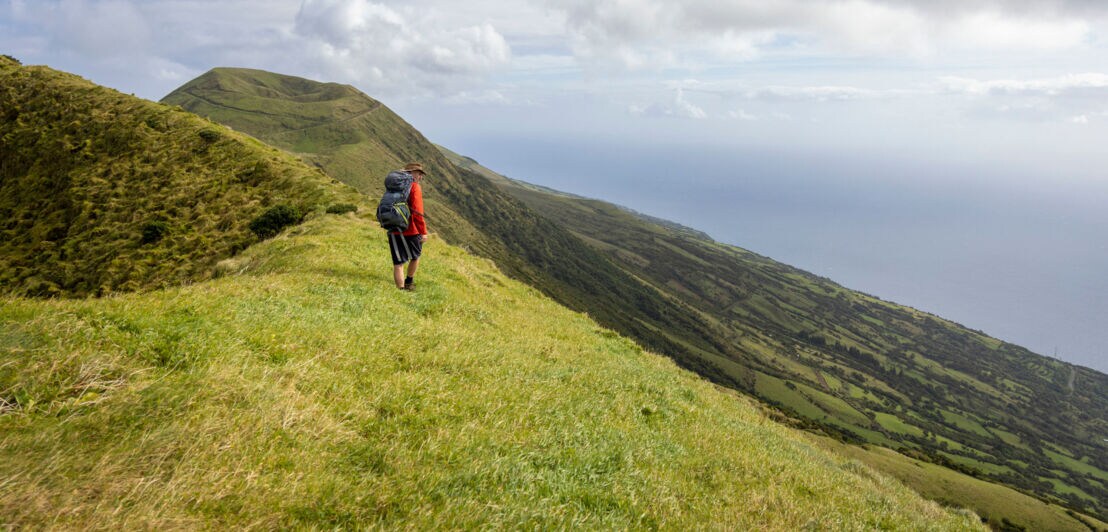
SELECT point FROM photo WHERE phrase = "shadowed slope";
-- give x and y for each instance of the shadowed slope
(103, 192)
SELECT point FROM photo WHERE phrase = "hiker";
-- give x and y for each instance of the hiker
(406, 246)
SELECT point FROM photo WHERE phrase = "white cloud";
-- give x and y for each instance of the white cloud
(387, 48)
(1067, 98)
(348, 24)
(994, 30)
(1069, 84)
(679, 107)
(384, 48)
(481, 97)
(814, 93)
(739, 114)
(638, 34)
(686, 108)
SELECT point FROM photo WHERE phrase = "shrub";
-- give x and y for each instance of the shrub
(342, 208)
(209, 134)
(154, 231)
(274, 219)
(157, 123)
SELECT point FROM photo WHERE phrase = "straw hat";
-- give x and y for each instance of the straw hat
(414, 167)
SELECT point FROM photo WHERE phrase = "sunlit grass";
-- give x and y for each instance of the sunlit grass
(992, 501)
(306, 391)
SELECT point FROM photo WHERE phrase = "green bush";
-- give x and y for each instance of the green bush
(274, 219)
(342, 208)
(209, 135)
(154, 231)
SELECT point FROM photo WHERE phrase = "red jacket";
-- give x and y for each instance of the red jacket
(415, 203)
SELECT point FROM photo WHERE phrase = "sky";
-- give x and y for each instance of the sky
(944, 154)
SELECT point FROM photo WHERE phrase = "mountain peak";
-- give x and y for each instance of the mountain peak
(263, 84)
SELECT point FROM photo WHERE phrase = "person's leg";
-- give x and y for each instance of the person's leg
(398, 275)
(415, 249)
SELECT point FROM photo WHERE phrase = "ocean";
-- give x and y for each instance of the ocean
(1023, 258)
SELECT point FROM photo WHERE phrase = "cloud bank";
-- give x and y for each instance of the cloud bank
(634, 53)
(381, 46)
(635, 34)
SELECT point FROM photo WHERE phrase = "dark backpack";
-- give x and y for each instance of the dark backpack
(393, 212)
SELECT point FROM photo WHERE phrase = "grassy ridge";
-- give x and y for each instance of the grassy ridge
(103, 192)
(307, 391)
(739, 319)
(868, 369)
(357, 140)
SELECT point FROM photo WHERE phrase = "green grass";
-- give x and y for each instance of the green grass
(979, 465)
(964, 423)
(1009, 438)
(773, 387)
(893, 423)
(1075, 465)
(357, 140)
(308, 392)
(992, 501)
(669, 287)
(945, 379)
(1063, 487)
(102, 192)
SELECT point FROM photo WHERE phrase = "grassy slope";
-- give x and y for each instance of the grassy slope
(357, 140)
(993, 502)
(85, 168)
(748, 347)
(921, 372)
(306, 391)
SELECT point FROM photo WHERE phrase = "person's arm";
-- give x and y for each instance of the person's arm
(415, 202)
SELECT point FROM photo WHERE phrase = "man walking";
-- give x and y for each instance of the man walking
(406, 247)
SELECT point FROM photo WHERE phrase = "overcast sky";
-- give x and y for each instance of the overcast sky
(958, 95)
(971, 78)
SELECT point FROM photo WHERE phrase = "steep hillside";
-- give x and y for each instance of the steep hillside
(872, 370)
(306, 392)
(742, 320)
(357, 140)
(103, 192)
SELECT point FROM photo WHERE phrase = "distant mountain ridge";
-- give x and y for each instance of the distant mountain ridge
(864, 369)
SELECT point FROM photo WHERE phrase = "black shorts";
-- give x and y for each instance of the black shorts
(404, 248)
